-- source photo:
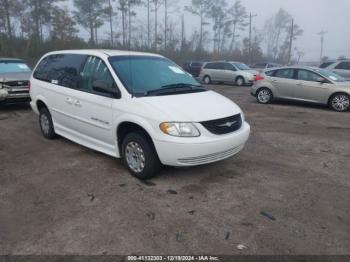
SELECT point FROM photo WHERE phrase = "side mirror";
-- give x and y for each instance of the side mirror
(103, 87)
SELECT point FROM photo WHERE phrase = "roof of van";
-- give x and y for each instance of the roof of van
(106, 52)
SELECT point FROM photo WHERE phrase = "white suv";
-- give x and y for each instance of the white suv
(137, 106)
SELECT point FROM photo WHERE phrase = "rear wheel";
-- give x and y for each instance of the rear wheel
(46, 124)
(264, 96)
(340, 102)
(207, 80)
(140, 156)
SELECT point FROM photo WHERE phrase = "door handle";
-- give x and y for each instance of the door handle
(274, 80)
(69, 100)
(299, 84)
(78, 103)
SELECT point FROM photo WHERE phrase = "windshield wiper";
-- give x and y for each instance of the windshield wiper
(176, 89)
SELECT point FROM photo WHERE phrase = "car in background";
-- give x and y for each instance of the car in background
(227, 72)
(340, 67)
(263, 66)
(14, 80)
(194, 68)
(307, 84)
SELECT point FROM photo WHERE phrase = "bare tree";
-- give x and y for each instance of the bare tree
(200, 8)
(238, 20)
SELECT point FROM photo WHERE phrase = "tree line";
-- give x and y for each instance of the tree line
(29, 28)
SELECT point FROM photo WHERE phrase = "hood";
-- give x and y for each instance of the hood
(193, 107)
(22, 76)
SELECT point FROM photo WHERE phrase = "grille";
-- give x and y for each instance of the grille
(16, 83)
(201, 160)
(224, 125)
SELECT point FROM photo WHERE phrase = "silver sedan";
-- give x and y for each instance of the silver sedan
(305, 84)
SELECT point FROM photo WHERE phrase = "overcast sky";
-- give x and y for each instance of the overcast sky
(312, 15)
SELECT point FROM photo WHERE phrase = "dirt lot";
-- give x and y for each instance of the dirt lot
(288, 192)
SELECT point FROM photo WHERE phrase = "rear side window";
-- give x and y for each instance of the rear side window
(285, 73)
(270, 73)
(343, 66)
(95, 69)
(229, 67)
(60, 69)
(326, 64)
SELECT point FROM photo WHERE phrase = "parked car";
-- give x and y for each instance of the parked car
(309, 84)
(14, 80)
(140, 107)
(227, 72)
(194, 68)
(340, 67)
(263, 66)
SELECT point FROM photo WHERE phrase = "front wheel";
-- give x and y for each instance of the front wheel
(239, 81)
(264, 96)
(46, 124)
(340, 102)
(140, 156)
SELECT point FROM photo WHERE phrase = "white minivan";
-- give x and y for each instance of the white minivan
(140, 107)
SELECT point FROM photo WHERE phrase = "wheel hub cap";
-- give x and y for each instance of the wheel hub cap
(264, 96)
(45, 124)
(135, 157)
(340, 102)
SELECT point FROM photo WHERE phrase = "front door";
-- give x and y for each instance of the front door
(94, 109)
(309, 87)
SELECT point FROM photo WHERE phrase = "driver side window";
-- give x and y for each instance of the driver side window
(306, 75)
(95, 69)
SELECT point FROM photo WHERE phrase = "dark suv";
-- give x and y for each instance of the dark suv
(194, 68)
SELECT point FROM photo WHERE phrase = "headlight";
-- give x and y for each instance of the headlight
(179, 129)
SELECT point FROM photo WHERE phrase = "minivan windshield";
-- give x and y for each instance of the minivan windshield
(13, 67)
(150, 75)
(330, 75)
(242, 66)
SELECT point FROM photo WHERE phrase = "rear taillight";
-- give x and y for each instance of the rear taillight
(258, 78)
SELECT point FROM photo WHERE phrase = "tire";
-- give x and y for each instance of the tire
(207, 80)
(264, 96)
(140, 156)
(46, 124)
(340, 102)
(239, 81)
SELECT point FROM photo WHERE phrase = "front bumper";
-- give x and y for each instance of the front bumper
(14, 95)
(193, 154)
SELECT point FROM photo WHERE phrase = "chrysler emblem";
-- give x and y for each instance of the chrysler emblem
(228, 124)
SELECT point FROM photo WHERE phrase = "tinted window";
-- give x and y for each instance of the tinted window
(306, 75)
(285, 73)
(196, 64)
(343, 65)
(61, 69)
(229, 67)
(270, 73)
(326, 64)
(220, 66)
(210, 66)
(95, 69)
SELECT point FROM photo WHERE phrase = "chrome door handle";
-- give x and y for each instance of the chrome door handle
(69, 100)
(78, 103)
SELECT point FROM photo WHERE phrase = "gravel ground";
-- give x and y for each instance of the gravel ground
(287, 192)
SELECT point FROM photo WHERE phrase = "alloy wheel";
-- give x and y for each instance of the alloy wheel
(340, 102)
